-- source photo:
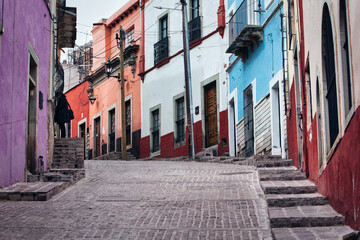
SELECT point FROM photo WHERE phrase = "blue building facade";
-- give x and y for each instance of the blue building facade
(256, 78)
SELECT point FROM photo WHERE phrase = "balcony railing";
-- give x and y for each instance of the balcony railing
(194, 29)
(244, 30)
(161, 50)
(238, 21)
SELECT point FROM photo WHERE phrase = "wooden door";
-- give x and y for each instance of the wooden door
(248, 122)
(31, 129)
(211, 134)
(83, 136)
(97, 137)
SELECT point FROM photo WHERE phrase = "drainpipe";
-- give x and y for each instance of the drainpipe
(221, 18)
(142, 42)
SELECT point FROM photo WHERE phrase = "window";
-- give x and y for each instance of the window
(128, 121)
(194, 25)
(180, 120)
(111, 130)
(163, 27)
(195, 9)
(155, 131)
(348, 99)
(329, 78)
(129, 37)
(161, 48)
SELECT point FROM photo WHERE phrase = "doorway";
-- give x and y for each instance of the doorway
(248, 122)
(82, 134)
(32, 117)
(97, 136)
(211, 128)
(232, 128)
(299, 114)
(275, 120)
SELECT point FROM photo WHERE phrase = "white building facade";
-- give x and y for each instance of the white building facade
(163, 93)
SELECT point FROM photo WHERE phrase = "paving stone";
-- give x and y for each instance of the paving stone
(147, 200)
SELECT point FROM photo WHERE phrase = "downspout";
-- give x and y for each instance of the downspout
(221, 18)
(142, 42)
(302, 67)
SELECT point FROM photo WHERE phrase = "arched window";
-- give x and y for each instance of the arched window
(345, 58)
(329, 79)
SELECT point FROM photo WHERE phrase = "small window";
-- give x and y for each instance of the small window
(128, 122)
(163, 27)
(195, 9)
(111, 130)
(330, 78)
(129, 37)
(155, 131)
(345, 58)
(180, 120)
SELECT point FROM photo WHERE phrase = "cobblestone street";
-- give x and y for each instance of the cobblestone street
(146, 200)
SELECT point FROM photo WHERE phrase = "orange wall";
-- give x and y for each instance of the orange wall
(79, 102)
(108, 92)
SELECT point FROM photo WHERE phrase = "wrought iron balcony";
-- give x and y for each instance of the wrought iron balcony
(161, 50)
(244, 31)
(194, 29)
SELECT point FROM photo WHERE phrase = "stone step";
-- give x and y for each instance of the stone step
(288, 187)
(290, 200)
(273, 163)
(287, 176)
(318, 233)
(304, 216)
(277, 170)
(32, 191)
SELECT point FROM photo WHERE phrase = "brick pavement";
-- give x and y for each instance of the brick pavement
(147, 200)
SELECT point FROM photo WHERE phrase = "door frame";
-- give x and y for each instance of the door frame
(32, 55)
(279, 99)
(204, 84)
(112, 107)
(233, 122)
(81, 122)
(94, 135)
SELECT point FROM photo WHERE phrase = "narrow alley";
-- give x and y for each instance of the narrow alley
(147, 200)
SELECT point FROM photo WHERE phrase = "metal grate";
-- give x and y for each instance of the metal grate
(161, 50)
(194, 29)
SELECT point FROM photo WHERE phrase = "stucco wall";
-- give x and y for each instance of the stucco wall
(20, 32)
(262, 65)
(163, 83)
(339, 179)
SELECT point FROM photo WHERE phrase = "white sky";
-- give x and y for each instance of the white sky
(89, 12)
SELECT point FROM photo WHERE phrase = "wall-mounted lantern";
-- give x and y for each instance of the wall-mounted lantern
(90, 91)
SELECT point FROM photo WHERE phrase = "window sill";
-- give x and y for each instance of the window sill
(179, 144)
(154, 154)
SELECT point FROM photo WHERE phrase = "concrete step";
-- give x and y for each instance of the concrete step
(288, 187)
(32, 191)
(318, 233)
(273, 163)
(290, 200)
(304, 216)
(281, 175)
(277, 170)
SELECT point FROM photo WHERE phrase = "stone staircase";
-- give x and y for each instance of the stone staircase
(68, 153)
(295, 208)
(115, 156)
(67, 168)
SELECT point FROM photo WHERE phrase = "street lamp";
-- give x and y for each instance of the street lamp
(120, 76)
(108, 70)
(90, 91)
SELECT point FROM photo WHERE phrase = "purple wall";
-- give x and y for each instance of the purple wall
(25, 22)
